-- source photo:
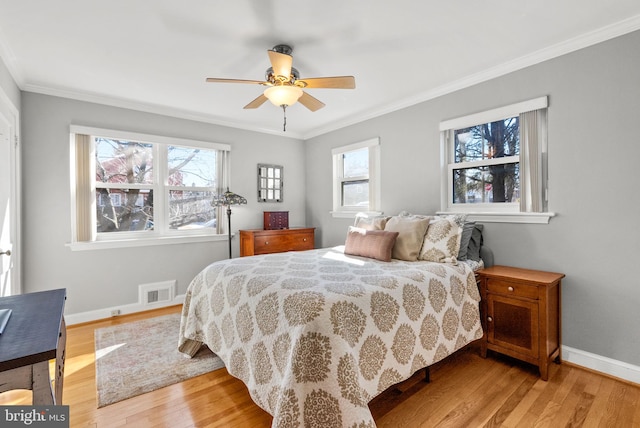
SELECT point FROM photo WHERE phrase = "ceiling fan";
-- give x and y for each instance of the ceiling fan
(285, 87)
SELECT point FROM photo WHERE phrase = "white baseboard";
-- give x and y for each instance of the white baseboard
(99, 314)
(601, 364)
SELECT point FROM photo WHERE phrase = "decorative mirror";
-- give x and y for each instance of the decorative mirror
(270, 183)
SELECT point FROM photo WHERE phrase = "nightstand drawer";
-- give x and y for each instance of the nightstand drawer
(512, 288)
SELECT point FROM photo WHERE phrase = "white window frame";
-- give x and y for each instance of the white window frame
(161, 234)
(484, 212)
(373, 177)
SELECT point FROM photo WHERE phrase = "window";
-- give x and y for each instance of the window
(356, 186)
(494, 163)
(138, 187)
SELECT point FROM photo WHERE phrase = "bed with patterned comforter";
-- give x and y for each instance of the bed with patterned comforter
(315, 335)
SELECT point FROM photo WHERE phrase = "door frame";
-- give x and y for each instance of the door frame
(11, 114)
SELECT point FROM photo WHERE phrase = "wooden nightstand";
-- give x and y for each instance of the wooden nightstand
(521, 314)
(253, 242)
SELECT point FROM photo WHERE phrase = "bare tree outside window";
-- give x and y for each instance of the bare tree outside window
(493, 182)
(125, 171)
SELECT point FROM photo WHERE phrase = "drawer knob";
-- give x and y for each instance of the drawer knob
(266, 242)
(489, 319)
(305, 239)
(510, 288)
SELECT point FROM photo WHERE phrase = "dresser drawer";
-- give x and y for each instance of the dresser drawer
(516, 289)
(279, 243)
(253, 242)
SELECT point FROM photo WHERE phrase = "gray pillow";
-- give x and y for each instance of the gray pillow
(473, 250)
(464, 239)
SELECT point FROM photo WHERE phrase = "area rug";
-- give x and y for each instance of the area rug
(142, 356)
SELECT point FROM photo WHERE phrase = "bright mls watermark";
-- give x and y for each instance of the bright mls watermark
(34, 416)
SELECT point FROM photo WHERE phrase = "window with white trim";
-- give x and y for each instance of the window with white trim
(356, 183)
(132, 186)
(495, 161)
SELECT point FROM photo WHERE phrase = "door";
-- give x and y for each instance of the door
(9, 228)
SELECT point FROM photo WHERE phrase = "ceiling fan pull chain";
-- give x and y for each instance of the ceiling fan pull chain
(284, 112)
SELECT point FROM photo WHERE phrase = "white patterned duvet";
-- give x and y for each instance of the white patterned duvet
(315, 335)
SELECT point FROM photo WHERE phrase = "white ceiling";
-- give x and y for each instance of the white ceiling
(154, 55)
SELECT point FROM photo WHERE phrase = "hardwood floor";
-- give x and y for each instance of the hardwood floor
(465, 391)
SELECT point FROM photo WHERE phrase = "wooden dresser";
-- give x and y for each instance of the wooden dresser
(521, 314)
(254, 242)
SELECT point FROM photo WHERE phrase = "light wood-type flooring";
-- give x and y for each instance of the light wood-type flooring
(465, 391)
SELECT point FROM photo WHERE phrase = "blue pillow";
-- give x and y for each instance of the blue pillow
(473, 250)
(464, 239)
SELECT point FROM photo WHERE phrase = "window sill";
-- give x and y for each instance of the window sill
(504, 217)
(352, 214)
(130, 243)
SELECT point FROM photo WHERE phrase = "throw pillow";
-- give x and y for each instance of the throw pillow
(371, 223)
(464, 239)
(411, 231)
(475, 243)
(442, 241)
(375, 244)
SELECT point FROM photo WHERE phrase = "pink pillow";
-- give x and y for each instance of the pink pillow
(375, 244)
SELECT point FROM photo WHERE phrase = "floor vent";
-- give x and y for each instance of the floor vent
(157, 292)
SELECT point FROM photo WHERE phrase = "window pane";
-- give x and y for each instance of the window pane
(191, 210)
(120, 161)
(356, 163)
(498, 183)
(191, 167)
(487, 141)
(355, 193)
(124, 210)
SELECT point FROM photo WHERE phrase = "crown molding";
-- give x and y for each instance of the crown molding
(10, 61)
(585, 40)
(571, 45)
(152, 108)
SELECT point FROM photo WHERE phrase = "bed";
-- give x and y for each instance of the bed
(315, 335)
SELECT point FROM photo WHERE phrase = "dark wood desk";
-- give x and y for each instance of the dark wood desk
(35, 334)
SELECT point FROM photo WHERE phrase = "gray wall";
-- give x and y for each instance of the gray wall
(106, 278)
(594, 150)
(8, 85)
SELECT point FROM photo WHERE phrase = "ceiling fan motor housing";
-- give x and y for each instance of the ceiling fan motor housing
(270, 77)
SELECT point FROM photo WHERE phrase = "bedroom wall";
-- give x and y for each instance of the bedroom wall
(594, 100)
(109, 278)
(8, 85)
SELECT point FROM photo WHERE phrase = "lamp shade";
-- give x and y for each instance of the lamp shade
(283, 95)
(227, 199)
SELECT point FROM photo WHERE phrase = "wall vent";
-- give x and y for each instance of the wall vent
(157, 292)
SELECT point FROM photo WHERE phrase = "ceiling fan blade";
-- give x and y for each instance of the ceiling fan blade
(216, 80)
(310, 102)
(281, 64)
(257, 102)
(338, 82)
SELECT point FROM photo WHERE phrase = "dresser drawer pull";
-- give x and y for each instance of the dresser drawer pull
(266, 242)
(489, 319)
(305, 239)
(510, 288)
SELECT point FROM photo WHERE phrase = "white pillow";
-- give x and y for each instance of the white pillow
(411, 231)
(363, 221)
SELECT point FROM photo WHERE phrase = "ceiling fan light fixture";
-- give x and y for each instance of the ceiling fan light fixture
(283, 95)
